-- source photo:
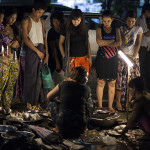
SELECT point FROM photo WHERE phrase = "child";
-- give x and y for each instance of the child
(131, 36)
(108, 38)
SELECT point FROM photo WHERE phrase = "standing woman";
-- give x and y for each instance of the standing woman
(55, 58)
(108, 38)
(77, 50)
(10, 66)
(131, 41)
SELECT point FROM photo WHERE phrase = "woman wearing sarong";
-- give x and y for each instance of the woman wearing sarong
(9, 66)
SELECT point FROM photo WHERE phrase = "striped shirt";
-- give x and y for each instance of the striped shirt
(141, 21)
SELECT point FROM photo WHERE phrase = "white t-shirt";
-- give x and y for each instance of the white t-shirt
(129, 38)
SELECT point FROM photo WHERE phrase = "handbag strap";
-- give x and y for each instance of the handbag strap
(45, 67)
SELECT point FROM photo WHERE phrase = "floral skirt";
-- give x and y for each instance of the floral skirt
(8, 76)
(122, 76)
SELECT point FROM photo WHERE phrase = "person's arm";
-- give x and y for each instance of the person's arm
(89, 52)
(45, 42)
(61, 45)
(134, 117)
(53, 93)
(99, 40)
(55, 55)
(4, 32)
(26, 40)
(118, 41)
(147, 33)
(137, 45)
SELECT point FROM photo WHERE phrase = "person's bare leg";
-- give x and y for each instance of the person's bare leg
(99, 91)
(118, 98)
(111, 94)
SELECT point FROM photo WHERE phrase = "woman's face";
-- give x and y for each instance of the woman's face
(76, 22)
(12, 19)
(107, 21)
(56, 23)
(130, 22)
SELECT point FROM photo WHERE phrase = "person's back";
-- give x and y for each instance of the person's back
(73, 112)
(73, 99)
(73, 95)
(143, 106)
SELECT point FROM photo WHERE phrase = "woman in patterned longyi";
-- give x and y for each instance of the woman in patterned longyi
(9, 67)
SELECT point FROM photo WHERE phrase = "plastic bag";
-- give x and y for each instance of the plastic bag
(108, 140)
(46, 77)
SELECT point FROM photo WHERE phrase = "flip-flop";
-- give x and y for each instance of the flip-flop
(113, 111)
(119, 109)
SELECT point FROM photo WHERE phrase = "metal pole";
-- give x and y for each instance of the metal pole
(128, 92)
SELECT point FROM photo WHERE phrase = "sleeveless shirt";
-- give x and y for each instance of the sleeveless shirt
(107, 51)
(36, 32)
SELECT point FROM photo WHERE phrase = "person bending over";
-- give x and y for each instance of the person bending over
(71, 114)
(141, 108)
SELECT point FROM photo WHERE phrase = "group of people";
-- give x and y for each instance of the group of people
(74, 47)
(67, 48)
(28, 44)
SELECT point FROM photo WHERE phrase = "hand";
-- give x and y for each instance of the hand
(133, 57)
(90, 62)
(58, 66)
(5, 62)
(15, 44)
(46, 60)
(40, 54)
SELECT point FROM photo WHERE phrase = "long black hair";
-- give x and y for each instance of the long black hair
(138, 83)
(131, 14)
(75, 14)
(57, 15)
(8, 12)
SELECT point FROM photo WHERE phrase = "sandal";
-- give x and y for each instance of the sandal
(119, 109)
(112, 111)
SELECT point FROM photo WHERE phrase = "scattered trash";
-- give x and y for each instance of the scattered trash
(108, 140)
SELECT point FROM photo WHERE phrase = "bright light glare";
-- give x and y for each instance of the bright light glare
(125, 58)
